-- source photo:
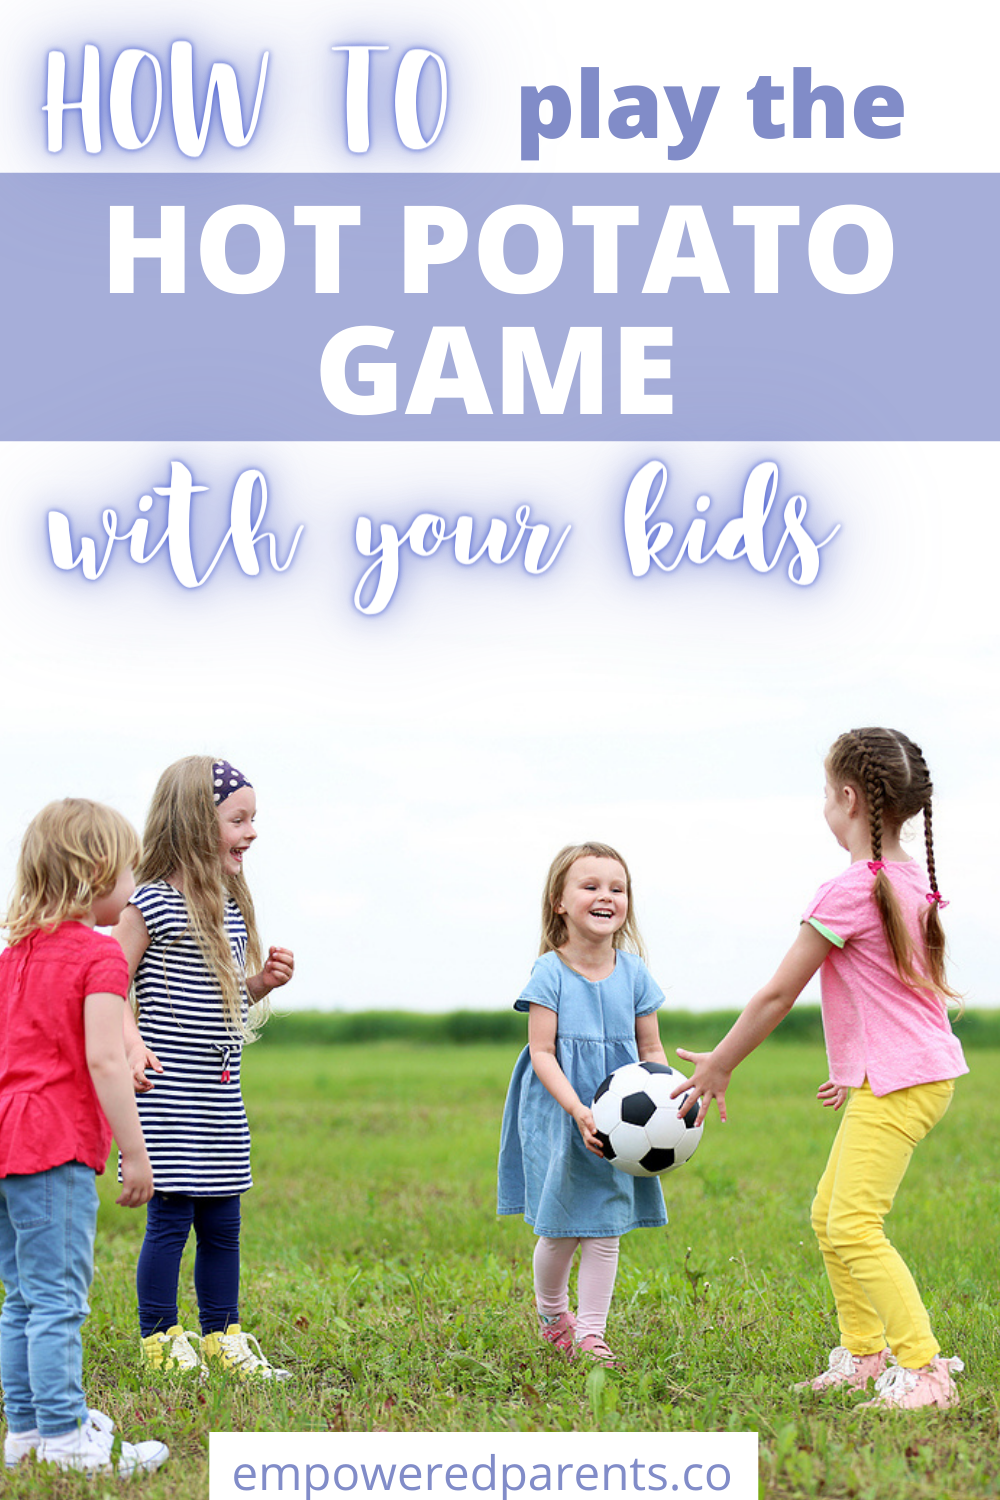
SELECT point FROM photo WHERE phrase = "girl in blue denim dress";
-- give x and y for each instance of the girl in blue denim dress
(591, 1006)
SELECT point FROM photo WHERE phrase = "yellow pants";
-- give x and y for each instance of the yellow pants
(877, 1299)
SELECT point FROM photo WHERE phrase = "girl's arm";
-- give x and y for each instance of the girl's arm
(133, 936)
(647, 1039)
(109, 1072)
(278, 970)
(770, 1005)
(542, 1026)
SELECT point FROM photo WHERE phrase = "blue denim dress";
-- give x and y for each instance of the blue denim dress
(545, 1170)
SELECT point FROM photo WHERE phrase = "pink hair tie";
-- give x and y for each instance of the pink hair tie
(936, 899)
(875, 865)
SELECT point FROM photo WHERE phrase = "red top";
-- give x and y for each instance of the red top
(49, 1112)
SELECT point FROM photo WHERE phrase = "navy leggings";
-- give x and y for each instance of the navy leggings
(169, 1218)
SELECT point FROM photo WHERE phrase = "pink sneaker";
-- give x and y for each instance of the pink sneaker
(559, 1333)
(903, 1390)
(596, 1349)
(851, 1370)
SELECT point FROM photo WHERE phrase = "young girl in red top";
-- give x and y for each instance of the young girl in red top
(875, 934)
(64, 1087)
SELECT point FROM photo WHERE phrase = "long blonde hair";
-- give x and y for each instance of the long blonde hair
(554, 931)
(182, 838)
(72, 852)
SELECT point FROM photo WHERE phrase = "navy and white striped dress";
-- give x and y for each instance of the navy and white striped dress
(194, 1121)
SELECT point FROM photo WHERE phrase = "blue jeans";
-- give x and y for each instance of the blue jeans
(47, 1224)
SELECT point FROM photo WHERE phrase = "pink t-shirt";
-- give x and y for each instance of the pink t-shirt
(876, 1026)
(49, 1112)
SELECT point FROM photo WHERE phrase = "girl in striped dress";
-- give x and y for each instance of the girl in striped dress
(201, 985)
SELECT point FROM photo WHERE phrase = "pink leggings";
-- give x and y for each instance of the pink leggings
(595, 1283)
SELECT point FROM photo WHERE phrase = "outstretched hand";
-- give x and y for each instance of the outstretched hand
(832, 1095)
(708, 1081)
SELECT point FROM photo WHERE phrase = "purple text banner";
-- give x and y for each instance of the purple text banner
(579, 307)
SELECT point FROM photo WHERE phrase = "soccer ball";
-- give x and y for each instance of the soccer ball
(637, 1121)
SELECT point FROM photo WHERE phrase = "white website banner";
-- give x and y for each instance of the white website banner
(502, 1466)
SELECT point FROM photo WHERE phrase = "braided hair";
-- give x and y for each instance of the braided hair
(890, 775)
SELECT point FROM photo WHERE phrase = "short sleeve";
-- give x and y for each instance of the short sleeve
(106, 972)
(162, 910)
(837, 911)
(543, 986)
(646, 993)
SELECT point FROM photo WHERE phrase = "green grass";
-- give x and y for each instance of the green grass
(375, 1269)
(333, 1028)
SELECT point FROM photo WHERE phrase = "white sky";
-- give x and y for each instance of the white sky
(416, 772)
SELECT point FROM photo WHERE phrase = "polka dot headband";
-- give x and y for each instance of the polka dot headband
(226, 780)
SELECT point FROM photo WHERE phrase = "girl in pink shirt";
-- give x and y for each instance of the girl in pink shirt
(875, 934)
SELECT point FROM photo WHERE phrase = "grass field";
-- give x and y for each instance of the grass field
(376, 1270)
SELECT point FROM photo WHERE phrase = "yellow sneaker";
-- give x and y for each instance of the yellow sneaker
(232, 1351)
(173, 1352)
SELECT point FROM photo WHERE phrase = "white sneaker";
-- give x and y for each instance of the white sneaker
(173, 1351)
(88, 1448)
(18, 1445)
(232, 1351)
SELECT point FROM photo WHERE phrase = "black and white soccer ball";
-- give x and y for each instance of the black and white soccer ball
(637, 1121)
